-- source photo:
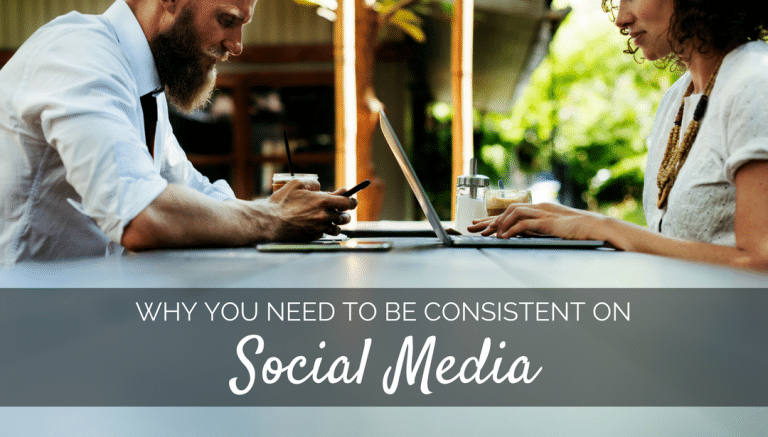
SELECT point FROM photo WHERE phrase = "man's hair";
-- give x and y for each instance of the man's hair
(708, 25)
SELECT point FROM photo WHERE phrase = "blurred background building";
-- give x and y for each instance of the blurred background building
(284, 81)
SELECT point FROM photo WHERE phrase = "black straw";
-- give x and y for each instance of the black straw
(288, 153)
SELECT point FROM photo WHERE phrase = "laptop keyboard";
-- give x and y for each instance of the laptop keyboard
(479, 239)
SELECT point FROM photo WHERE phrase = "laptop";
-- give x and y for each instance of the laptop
(467, 240)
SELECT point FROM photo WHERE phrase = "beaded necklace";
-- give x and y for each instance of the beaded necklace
(675, 156)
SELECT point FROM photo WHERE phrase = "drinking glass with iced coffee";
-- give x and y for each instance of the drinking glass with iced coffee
(497, 201)
(280, 179)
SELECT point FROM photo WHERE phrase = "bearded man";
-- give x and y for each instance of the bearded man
(89, 164)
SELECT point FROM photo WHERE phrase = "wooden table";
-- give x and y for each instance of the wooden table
(414, 262)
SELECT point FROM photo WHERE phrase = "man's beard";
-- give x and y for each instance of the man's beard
(180, 62)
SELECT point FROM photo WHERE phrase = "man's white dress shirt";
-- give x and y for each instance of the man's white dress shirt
(74, 165)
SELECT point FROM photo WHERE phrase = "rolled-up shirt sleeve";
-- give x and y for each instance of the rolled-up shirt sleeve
(90, 114)
(747, 138)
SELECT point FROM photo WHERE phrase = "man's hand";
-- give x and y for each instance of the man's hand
(303, 213)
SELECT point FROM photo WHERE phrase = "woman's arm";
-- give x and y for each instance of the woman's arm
(751, 226)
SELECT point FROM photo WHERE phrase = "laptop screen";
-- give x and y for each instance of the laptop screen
(410, 175)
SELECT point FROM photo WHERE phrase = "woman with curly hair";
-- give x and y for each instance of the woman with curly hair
(706, 181)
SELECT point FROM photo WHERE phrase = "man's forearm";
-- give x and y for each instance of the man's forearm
(180, 216)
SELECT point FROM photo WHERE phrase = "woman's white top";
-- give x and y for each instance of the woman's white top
(734, 130)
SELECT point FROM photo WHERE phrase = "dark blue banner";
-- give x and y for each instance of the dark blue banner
(391, 347)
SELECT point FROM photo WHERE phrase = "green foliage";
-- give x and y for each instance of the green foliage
(621, 181)
(391, 12)
(587, 108)
(433, 163)
(405, 19)
(410, 23)
(588, 105)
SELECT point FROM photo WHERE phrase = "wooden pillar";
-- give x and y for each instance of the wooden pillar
(461, 90)
(242, 171)
(366, 35)
(345, 95)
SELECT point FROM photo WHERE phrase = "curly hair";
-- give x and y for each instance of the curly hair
(708, 24)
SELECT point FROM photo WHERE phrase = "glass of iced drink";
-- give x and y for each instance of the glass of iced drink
(497, 201)
(280, 179)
